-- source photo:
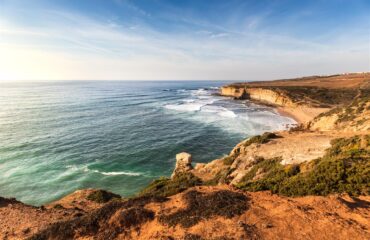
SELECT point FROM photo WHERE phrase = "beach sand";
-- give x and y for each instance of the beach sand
(301, 114)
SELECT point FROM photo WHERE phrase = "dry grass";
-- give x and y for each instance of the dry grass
(96, 224)
(200, 206)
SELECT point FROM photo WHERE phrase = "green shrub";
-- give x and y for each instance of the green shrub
(58, 206)
(228, 160)
(220, 177)
(261, 139)
(164, 187)
(102, 196)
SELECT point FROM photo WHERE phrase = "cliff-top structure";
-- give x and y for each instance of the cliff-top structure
(310, 182)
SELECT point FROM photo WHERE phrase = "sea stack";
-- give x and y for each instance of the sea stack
(183, 163)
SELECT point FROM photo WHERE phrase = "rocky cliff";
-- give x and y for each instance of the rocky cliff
(269, 96)
(305, 98)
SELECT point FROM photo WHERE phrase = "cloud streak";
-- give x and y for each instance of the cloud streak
(73, 45)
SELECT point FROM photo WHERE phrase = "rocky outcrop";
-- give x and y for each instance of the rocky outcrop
(183, 163)
(235, 92)
(270, 96)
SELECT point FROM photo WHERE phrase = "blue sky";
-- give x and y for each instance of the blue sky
(171, 40)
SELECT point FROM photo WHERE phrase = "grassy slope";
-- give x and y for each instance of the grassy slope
(345, 168)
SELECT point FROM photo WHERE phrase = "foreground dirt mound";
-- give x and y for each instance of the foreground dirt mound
(220, 212)
(20, 221)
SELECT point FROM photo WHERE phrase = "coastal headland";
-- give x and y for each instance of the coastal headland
(309, 182)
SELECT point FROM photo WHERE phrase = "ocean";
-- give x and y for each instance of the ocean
(60, 136)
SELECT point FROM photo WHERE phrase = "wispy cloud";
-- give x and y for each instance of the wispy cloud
(71, 45)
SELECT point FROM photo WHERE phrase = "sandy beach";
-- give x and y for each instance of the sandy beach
(301, 114)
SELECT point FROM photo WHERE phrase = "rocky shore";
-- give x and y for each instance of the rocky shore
(311, 182)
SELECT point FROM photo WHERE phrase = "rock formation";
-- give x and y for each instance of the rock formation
(183, 163)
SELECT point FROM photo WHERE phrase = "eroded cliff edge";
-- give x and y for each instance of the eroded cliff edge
(303, 98)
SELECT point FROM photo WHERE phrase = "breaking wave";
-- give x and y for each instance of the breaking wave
(86, 169)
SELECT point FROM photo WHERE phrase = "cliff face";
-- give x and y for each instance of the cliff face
(308, 99)
(304, 98)
(270, 96)
(258, 94)
(238, 93)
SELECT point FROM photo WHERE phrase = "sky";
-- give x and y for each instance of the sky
(182, 40)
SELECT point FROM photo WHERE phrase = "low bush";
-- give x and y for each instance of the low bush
(261, 139)
(220, 177)
(102, 196)
(228, 160)
(164, 187)
(58, 206)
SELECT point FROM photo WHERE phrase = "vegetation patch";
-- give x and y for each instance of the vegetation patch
(228, 160)
(351, 110)
(319, 97)
(220, 177)
(261, 139)
(200, 206)
(344, 168)
(6, 201)
(357, 107)
(102, 196)
(164, 187)
(58, 206)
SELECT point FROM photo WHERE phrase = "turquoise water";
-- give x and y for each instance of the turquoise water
(57, 137)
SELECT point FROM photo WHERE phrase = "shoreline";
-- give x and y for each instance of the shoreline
(301, 114)
(285, 113)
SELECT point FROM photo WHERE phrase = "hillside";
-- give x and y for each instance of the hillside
(338, 81)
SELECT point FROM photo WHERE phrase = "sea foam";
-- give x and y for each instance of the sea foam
(87, 169)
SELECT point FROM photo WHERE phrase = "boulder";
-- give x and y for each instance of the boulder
(183, 163)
